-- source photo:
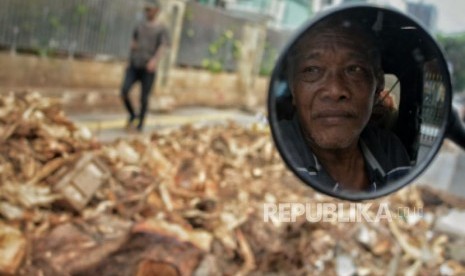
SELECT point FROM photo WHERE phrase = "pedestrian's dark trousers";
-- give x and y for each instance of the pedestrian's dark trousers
(146, 79)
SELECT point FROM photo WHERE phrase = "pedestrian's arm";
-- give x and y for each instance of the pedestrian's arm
(159, 53)
(153, 62)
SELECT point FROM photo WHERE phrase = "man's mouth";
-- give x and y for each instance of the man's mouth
(334, 116)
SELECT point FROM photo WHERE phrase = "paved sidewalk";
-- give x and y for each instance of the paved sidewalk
(110, 126)
(447, 171)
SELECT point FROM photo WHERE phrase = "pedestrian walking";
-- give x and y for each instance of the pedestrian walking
(149, 42)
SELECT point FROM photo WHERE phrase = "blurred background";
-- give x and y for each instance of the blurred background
(197, 178)
(222, 54)
(82, 46)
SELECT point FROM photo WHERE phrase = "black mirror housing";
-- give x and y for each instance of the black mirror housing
(421, 94)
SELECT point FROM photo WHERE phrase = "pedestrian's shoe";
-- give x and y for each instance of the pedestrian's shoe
(140, 127)
(130, 123)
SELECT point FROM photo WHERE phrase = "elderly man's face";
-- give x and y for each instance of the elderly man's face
(333, 84)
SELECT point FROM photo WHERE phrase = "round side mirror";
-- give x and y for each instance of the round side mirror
(360, 102)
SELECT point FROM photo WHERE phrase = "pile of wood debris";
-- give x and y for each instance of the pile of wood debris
(188, 201)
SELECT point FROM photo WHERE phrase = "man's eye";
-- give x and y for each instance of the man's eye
(311, 73)
(312, 69)
(356, 69)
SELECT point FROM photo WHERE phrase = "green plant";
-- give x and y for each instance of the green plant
(43, 52)
(188, 15)
(213, 66)
(219, 50)
(81, 9)
(55, 23)
(269, 57)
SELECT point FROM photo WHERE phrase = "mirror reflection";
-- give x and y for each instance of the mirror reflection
(432, 113)
(358, 101)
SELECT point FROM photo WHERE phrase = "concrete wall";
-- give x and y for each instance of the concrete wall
(29, 70)
(90, 84)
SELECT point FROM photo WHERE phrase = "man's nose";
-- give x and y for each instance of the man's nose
(335, 87)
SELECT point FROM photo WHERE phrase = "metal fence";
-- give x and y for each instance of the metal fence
(86, 27)
(104, 27)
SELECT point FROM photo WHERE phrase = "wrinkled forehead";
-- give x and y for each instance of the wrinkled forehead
(337, 35)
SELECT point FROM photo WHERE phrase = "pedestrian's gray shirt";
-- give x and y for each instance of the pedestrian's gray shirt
(148, 38)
